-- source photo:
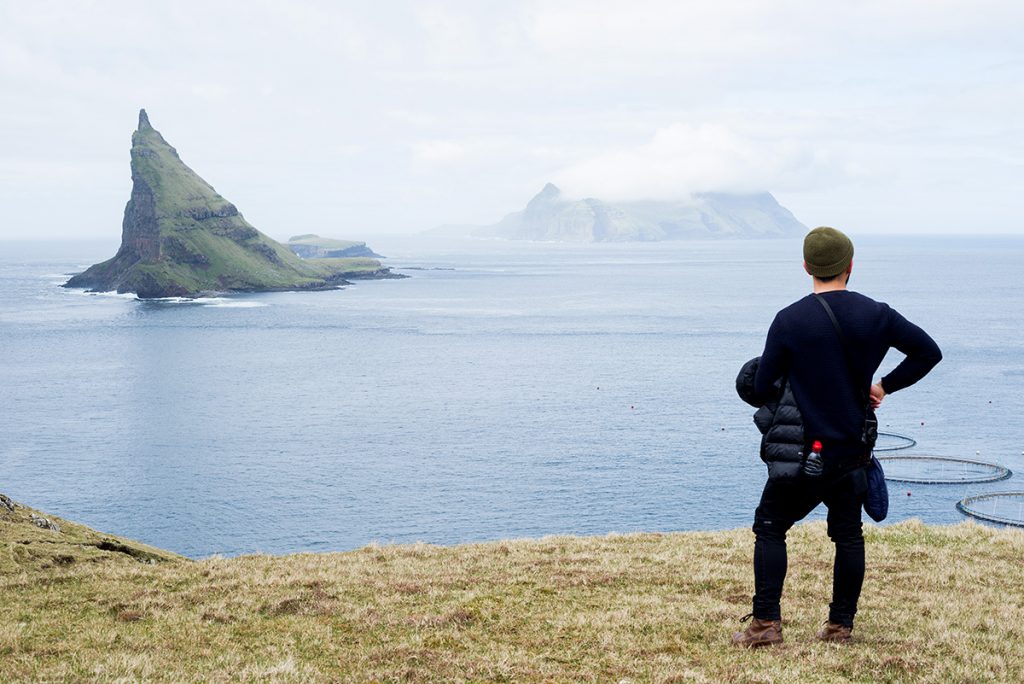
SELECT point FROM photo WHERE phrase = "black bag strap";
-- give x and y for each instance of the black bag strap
(850, 363)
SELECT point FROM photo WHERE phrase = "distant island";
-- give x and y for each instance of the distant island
(315, 247)
(180, 238)
(550, 216)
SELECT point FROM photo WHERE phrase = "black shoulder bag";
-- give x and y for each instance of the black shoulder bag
(877, 503)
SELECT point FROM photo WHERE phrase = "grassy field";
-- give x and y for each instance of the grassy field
(941, 604)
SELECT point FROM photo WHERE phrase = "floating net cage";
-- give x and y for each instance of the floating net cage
(890, 441)
(998, 507)
(941, 470)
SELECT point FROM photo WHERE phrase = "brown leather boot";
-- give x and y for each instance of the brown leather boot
(759, 633)
(839, 634)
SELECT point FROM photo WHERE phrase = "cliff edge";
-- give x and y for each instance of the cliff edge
(31, 540)
(941, 605)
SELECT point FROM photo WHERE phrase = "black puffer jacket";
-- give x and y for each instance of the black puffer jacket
(779, 420)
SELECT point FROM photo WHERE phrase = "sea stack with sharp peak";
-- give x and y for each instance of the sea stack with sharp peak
(180, 238)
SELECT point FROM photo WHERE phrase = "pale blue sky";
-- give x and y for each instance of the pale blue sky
(355, 119)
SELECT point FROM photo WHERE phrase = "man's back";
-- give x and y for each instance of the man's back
(803, 345)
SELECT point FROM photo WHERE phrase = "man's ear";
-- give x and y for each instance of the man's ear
(849, 269)
(805, 269)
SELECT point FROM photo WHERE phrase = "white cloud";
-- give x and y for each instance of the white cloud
(449, 36)
(739, 30)
(682, 158)
(461, 109)
(210, 91)
(439, 151)
(613, 31)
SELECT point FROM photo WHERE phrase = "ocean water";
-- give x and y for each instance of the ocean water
(503, 390)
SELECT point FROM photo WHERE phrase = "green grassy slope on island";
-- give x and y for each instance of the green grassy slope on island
(351, 267)
(941, 604)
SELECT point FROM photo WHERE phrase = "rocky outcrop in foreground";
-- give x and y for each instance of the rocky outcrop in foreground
(550, 216)
(32, 540)
(180, 238)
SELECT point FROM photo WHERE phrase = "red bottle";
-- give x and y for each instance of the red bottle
(813, 465)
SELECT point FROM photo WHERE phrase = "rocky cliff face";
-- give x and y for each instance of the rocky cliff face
(140, 234)
(550, 216)
(179, 237)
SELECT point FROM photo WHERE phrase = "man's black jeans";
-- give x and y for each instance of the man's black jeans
(782, 504)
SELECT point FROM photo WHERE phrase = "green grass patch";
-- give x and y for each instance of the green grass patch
(645, 607)
(352, 266)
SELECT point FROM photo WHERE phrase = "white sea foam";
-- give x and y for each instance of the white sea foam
(233, 303)
(173, 300)
(112, 293)
(115, 293)
(222, 302)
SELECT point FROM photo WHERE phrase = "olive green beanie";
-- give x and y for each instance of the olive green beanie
(827, 252)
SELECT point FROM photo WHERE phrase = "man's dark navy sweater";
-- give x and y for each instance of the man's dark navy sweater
(803, 345)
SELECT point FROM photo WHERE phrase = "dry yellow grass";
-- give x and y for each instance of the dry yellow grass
(941, 604)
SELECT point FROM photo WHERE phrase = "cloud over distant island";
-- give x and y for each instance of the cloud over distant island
(681, 159)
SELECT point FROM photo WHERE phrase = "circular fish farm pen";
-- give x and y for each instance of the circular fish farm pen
(941, 470)
(1006, 508)
(890, 441)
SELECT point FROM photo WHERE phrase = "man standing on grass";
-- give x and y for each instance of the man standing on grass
(828, 385)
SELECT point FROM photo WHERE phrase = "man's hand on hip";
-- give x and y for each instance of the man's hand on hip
(877, 395)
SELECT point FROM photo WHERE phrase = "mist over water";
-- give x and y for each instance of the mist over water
(504, 390)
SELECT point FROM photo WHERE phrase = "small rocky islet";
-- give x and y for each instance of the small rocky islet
(312, 246)
(181, 238)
